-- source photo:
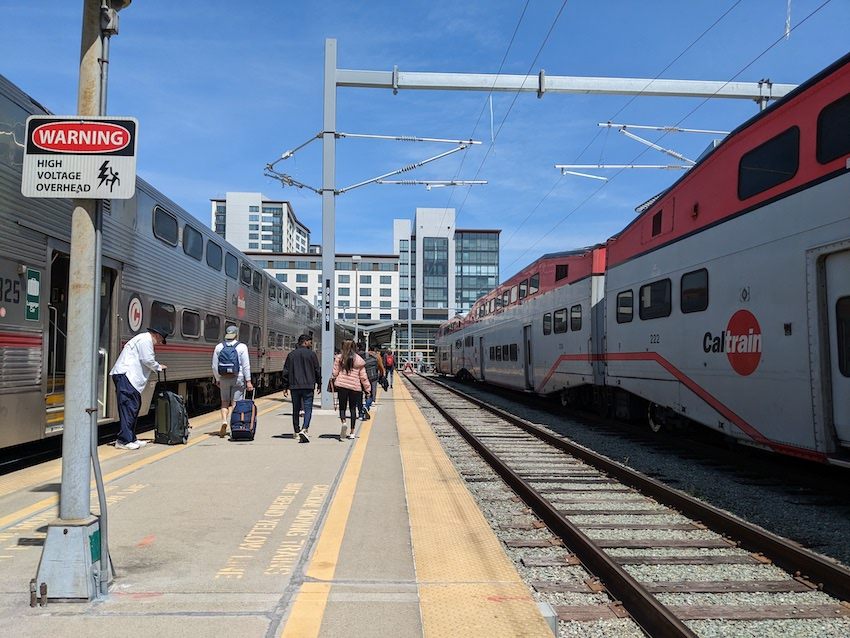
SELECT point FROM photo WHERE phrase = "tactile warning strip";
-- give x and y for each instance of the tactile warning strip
(467, 584)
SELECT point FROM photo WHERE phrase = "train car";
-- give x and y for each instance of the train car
(726, 302)
(161, 267)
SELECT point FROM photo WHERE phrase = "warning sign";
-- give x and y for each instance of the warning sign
(83, 158)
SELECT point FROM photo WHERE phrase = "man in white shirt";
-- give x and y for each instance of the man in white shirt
(130, 375)
(232, 371)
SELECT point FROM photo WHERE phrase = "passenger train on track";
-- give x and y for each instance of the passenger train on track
(725, 302)
(161, 267)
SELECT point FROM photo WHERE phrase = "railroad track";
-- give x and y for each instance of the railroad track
(672, 563)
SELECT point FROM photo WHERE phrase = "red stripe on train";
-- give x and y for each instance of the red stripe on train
(18, 340)
(697, 389)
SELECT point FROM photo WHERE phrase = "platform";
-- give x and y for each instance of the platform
(376, 536)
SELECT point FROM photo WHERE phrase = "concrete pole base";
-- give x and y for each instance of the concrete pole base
(70, 561)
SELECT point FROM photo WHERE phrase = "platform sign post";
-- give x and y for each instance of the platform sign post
(87, 158)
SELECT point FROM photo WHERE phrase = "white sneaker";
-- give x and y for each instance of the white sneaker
(132, 445)
(351, 435)
(305, 438)
(141, 442)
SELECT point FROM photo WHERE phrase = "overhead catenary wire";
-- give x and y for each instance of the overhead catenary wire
(685, 117)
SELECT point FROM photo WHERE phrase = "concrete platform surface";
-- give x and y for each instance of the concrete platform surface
(375, 536)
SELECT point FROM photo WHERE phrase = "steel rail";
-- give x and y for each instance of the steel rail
(830, 576)
(655, 618)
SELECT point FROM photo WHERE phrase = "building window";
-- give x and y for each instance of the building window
(212, 328)
(386, 304)
(220, 209)
(254, 227)
(253, 245)
(365, 292)
(625, 306)
(344, 279)
(386, 292)
(281, 276)
(165, 226)
(560, 321)
(655, 300)
(344, 292)
(214, 255)
(365, 303)
(300, 278)
(231, 266)
(547, 323)
(386, 280)
(694, 291)
(770, 164)
(365, 279)
(253, 209)
(190, 326)
(253, 218)
(301, 290)
(253, 235)
(386, 316)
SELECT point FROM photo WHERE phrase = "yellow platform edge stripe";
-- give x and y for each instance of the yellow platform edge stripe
(108, 452)
(467, 584)
(308, 608)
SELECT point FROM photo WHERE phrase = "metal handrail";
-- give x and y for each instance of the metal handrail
(102, 352)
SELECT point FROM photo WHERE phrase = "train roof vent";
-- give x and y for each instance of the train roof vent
(643, 207)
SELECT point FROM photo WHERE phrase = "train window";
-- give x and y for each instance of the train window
(190, 324)
(833, 132)
(534, 284)
(258, 281)
(842, 315)
(163, 316)
(245, 274)
(214, 255)
(193, 243)
(458, 343)
(654, 300)
(165, 226)
(467, 341)
(514, 294)
(271, 340)
(280, 341)
(625, 306)
(560, 321)
(575, 317)
(505, 355)
(492, 353)
(561, 271)
(231, 266)
(770, 164)
(694, 291)
(506, 298)
(547, 323)
(212, 327)
(656, 223)
(256, 337)
(513, 352)
(523, 289)
(272, 293)
(244, 332)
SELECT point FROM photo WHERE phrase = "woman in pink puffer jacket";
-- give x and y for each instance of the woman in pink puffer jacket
(349, 377)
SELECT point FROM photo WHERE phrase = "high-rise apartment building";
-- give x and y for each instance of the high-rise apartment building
(450, 267)
(252, 222)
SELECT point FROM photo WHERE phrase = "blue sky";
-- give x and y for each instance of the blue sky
(221, 88)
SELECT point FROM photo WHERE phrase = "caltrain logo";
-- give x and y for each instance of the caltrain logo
(240, 303)
(81, 137)
(741, 341)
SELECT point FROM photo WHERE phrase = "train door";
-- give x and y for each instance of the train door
(57, 335)
(481, 356)
(838, 320)
(529, 364)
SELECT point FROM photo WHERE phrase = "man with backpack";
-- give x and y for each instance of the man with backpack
(389, 365)
(232, 372)
(301, 374)
(374, 370)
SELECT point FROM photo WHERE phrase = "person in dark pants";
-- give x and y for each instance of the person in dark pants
(130, 376)
(301, 374)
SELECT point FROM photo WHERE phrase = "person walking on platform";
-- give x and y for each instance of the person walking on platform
(349, 377)
(302, 373)
(374, 371)
(231, 368)
(130, 376)
(389, 365)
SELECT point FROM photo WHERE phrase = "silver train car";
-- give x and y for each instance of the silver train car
(161, 267)
(725, 303)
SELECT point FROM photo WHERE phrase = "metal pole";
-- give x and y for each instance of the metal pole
(329, 214)
(356, 301)
(65, 566)
(410, 274)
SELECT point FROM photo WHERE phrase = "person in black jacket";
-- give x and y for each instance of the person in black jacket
(302, 373)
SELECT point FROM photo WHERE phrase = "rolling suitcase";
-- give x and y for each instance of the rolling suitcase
(172, 421)
(243, 421)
